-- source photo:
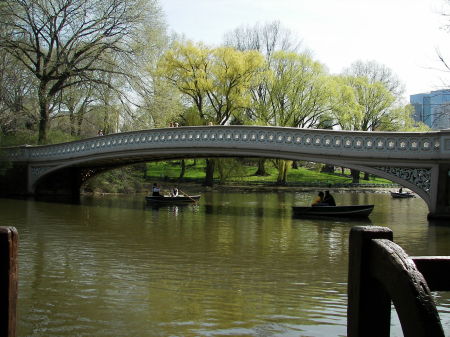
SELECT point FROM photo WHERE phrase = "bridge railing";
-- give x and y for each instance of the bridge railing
(427, 145)
(380, 272)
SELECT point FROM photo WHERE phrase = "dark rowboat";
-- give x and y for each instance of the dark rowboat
(397, 195)
(352, 211)
(180, 199)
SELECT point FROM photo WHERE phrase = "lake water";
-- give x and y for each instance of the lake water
(237, 264)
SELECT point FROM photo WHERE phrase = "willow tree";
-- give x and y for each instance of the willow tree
(299, 95)
(267, 38)
(64, 42)
(185, 66)
(372, 107)
(216, 81)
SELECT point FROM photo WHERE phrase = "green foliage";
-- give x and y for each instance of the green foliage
(217, 81)
(228, 168)
(371, 106)
(122, 180)
(31, 138)
(19, 138)
(299, 90)
(309, 174)
(401, 119)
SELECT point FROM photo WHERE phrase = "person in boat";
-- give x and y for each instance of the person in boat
(156, 191)
(329, 199)
(174, 192)
(318, 200)
(400, 190)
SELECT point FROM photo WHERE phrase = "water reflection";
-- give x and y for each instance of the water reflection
(235, 264)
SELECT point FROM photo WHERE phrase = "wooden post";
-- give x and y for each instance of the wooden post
(8, 281)
(369, 306)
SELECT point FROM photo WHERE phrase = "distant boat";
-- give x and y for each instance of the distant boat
(180, 199)
(398, 195)
(351, 211)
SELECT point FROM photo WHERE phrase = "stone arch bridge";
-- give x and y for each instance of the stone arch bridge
(418, 161)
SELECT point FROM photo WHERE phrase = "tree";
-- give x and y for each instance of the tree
(16, 91)
(63, 43)
(374, 72)
(299, 96)
(299, 91)
(216, 81)
(361, 104)
(232, 75)
(401, 119)
(185, 67)
(374, 105)
(267, 39)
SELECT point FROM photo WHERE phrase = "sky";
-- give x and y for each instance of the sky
(404, 35)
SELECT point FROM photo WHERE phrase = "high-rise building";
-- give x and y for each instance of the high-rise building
(432, 108)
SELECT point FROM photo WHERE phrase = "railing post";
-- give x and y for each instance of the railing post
(8, 281)
(369, 306)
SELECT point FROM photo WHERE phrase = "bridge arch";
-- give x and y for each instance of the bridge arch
(91, 168)
(419, 161)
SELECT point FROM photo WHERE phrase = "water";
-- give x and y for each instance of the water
(237, 264)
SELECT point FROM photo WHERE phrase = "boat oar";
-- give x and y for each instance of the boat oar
(187, 195)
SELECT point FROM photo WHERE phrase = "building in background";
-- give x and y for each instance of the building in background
(432, 108)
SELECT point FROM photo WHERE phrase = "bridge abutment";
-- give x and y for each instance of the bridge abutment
(442, 204)
(65, 182)
(14, 182)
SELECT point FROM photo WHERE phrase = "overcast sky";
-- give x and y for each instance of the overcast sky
(401, 34)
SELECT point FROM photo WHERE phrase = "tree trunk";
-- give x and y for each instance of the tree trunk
(283, 166)
(366, 176)
(183, 169)
(43, 114)
(80, 118)
(285, 172)
(295, 165)
(261, 171)
(327, 168)
(72, 122)
(355, 176)
(209, 176)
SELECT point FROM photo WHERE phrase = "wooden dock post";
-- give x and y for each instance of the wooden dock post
(8, 281)
(381, 271)
(369, 306)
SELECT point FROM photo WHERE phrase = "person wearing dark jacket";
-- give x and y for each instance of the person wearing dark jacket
(328, 199)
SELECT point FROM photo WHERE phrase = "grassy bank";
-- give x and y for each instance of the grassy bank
(244, 174)
(233, 173)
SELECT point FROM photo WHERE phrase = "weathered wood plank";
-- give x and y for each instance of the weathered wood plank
(407, 287)
(8, 280)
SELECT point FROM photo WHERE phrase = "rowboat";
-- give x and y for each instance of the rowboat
(397, 195)
(180, 199)
(350, 211)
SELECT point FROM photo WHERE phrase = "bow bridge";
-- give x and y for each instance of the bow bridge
(418, 161)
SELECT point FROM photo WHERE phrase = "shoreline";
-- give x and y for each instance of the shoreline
(192, 187)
